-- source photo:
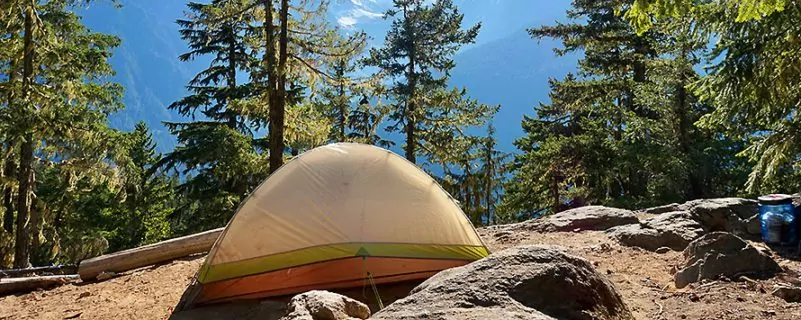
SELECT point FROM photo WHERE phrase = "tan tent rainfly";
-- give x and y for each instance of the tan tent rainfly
(330, 217)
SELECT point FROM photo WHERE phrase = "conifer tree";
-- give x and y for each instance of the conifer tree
(218, 151)
(61, 97)
(417, 56)
(619, 132)
(149, 197)
(751, 83)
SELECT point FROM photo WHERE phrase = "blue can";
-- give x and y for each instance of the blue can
(778, 219)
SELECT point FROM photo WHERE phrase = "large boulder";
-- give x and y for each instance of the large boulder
(673, 230)
(722, 254)
(583, 218)
(735, 215)
(324, 305)
(525, 282)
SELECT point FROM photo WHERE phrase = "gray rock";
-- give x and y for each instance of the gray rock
(584, 218)
(524, 282)
(789, 294)
(719, 254)
(324, 305)
(734, 215)
(661, 250)
(662, 209)
(673, 230)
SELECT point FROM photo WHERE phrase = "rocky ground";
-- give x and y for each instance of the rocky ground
(643, 278)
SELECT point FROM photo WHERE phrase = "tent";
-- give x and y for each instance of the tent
(336, 217)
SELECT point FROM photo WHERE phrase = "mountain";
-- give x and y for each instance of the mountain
(146, 62)
(512, 72)
(505, 66)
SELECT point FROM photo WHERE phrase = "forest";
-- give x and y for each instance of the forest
(671, 100)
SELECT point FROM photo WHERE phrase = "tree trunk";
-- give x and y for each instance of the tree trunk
(27, 272)
(231, 77)
(682, 106)
(148, 255)
(556, 205)
(8, 194)
(488, 176)
(10, 167)
(278, 85)
(24, 285)
(22, 249)
(21, 252)
(343, 107)
(411, 123)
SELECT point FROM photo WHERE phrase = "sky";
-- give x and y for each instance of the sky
(504, 66)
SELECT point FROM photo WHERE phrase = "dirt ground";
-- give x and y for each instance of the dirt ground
(643, 278)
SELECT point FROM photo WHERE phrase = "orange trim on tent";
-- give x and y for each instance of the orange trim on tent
(334, 274)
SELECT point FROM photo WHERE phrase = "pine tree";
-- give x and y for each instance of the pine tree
(364, 122)
(753, 85)
(61, 98)
(619, 132)
(417, 55)
(750, 82)
(149, 198)
(218, 152)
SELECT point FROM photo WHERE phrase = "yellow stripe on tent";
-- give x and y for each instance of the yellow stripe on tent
(338, 251)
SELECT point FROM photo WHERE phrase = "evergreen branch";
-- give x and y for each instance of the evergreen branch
(314, 69)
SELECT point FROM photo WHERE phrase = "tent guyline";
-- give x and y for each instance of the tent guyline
(313, 223)
(372, 284)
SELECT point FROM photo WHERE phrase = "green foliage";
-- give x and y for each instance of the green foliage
(417, 56)
(754, 86)
(475, 176)
(620, 132)
(642, 12)
(218, 153)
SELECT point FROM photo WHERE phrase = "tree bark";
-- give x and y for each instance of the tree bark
(10, 167)
(231, 77)
(411, 123)
(22, 250)
(343, 107)
(277, 83)
(8, 194)
(148, 255)
(26, 272)
(682, 110)
(24, 285)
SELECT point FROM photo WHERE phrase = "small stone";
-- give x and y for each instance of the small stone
(740, 299)
(84, 294)
(694, 298)
(662, 250)
(684, 316)
(73, 316)
(596, 263)
(103, 276)
(789, 294)
(769, 312)
(608, 271)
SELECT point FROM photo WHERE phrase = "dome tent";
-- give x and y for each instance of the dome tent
(329, 218)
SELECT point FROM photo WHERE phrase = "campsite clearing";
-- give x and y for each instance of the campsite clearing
(643, 278)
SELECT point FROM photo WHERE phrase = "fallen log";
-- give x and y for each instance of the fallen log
(28, 284)
(62, 269)
(152, 254)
